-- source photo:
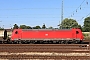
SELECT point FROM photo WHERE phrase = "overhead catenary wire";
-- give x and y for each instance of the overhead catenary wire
(84, 17)
(27, 8)
(76, 10)
(42, 14)
(30, 17)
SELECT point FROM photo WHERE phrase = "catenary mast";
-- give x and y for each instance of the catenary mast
(61, 14)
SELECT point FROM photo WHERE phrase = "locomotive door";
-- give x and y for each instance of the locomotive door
(77, 34)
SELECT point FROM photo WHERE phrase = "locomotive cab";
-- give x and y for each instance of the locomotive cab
(79, 34)
(16, 34)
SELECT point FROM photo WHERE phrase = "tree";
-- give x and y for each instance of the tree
(86, 26)
(25, 27)
(79, 26)
(1, 28)
(22, 26)
(37, 27)
(15, 26)
(50, 27)
(44, 26)
(69, 23)
(28, 27)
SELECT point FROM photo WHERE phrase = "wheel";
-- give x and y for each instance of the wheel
(19, 42)
(76, 41)
(8, 41)
(66, 42)
(62, 42)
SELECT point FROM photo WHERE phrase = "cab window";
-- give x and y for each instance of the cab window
(16, 32)
(77, 32)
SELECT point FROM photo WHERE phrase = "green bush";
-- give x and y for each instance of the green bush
(86, 36)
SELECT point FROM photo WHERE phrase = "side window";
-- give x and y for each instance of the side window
(16, 32)
(77, 32)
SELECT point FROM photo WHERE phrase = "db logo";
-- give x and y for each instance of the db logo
(46, 34)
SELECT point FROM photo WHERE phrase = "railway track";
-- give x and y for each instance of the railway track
(86, 41)
(43, 48)
(45, 51)
(14, 57)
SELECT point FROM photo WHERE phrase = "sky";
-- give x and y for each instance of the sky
(39, 12)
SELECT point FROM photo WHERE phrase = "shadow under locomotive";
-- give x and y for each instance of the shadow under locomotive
(7, 40)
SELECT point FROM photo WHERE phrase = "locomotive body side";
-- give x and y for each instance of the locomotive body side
(45, 35)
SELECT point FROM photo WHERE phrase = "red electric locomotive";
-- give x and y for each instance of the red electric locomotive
(47, 36)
